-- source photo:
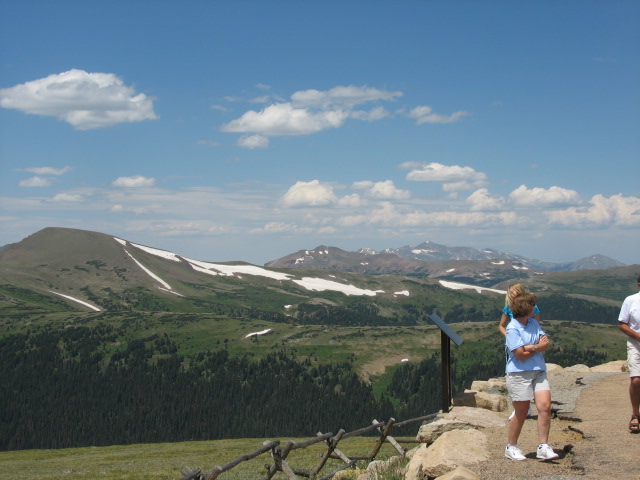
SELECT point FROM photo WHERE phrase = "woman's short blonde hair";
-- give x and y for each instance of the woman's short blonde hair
(518, 288)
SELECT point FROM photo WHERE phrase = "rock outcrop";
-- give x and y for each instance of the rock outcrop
(440, 455)
(459, 418)
(445, 454)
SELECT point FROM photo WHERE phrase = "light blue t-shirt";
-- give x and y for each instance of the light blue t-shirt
(507, 311)
(519, 335)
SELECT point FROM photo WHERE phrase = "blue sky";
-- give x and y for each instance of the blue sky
(248, 130)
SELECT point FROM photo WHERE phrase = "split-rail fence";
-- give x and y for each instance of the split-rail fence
(279, 453)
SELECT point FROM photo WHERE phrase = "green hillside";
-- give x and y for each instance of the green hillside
(104, 342)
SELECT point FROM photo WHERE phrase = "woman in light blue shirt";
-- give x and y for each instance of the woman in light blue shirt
(526, 374)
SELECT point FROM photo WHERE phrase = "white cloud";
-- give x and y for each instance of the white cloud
(311, 193)
(536, 197)
(452, 177)
(388, 190)
(341, 97)
(48, 170)
(389, 215)
(134, 182)
(253, 141)
(85, 100)
(67, 197)
(425, 114)
(311, 111)
(276, 227)
(615, 210)
(36, 182)
(261, 99)
(352, 201)
(381, 190)
(482, 200)
(178, 228)
(461, 219)
(372, 115)
(362, 185)
(280, 227)
(284, 119)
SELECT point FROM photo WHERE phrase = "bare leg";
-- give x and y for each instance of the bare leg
(634, 394)
(516, 422)
(543, 405)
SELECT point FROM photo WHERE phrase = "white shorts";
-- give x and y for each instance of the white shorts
(633, 359)
(522, 385)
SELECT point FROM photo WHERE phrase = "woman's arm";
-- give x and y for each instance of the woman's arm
(527, 351)
(504, 319)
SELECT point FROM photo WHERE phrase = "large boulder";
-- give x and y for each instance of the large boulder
(478, 418)
(616, 366)
(493, 385)
(377, 468)
(491, 401)
(446, 454)
(430, 432)
(580, 368)
(460, 473)
(459, 418)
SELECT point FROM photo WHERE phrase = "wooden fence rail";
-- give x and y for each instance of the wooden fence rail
(279, 454)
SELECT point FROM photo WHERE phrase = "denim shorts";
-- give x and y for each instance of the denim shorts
(522, 385)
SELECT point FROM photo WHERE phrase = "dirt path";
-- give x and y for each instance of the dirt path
(608, 450)
(598, 447)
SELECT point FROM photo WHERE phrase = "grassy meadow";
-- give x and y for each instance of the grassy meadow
(165, 461)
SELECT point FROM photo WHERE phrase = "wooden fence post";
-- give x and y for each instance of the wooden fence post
(332, 443)
(273, 469)
(401, 450)
(380, 440)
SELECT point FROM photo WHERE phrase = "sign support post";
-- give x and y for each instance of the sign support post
(447, 334)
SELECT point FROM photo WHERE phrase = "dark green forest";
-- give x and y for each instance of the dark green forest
(63, 387)
(558, 307)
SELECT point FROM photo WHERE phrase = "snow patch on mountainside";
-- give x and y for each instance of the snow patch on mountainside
(149, 272)
(463, 286)
(320, 284)
(230, 270)
(314, 284)
(73, 299)
(257, 333)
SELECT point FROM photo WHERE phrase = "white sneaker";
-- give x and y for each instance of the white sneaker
(514, 453)
(545, 452)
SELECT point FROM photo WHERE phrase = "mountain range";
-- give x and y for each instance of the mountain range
(483, 267)
(104, 340)
(62, 268)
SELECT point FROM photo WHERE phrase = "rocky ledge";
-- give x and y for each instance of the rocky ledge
(452, 443)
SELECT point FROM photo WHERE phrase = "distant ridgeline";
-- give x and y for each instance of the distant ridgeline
(66, 387)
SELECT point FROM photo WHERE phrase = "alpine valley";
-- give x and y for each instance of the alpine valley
(106, 341)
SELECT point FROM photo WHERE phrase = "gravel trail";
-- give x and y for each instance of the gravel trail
(590, 433)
